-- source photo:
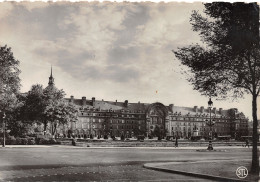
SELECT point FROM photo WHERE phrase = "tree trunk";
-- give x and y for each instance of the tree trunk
(45, 127)
(53, 128)
(255, 157)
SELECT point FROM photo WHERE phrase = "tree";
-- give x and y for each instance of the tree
(231, 114)
(138, 131)
(59, 114)
(227, 60)
(17, 122)
(35, 106)
(47, 105)
(157, 132)
(9, 79)
(9, 84)
(51, 97)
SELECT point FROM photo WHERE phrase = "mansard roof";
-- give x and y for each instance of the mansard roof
(102, 105)
(109, 105)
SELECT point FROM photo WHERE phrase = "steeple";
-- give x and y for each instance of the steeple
(51, 79)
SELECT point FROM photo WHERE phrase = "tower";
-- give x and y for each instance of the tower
(51, 79)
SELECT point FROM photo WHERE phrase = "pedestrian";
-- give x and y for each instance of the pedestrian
(176, 142)
(247, 143)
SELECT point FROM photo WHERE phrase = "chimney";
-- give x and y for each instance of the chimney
(72, 99)
(214, 110)
(126, 103)
(220, 110)
(93, 101)
(171, 107)
(195, 108)
(84, 101)
(202, 109)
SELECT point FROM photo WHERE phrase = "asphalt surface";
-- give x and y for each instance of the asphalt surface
(60, 163)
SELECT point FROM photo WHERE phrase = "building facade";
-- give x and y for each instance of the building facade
(99, 118)
(112, 118)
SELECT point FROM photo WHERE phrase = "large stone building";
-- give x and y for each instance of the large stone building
(99, 118)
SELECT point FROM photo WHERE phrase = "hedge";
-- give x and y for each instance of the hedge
(28, 141)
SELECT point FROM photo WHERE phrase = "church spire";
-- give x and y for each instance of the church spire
(51, 70)
(51, 79)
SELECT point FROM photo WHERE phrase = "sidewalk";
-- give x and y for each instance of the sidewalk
(27, 146)
(221, 170)
(113, 147)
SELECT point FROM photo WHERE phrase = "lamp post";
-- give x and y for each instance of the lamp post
(210, 123)
(3, 118)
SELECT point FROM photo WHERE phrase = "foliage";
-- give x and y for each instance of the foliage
(138, 131)
(60, 113)
(35, 104)
(226, 64)
(44, 141)
(9, 79)
(47, 105)
(9, 86)
(157, 132)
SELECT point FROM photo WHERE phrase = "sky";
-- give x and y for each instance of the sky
(110, 51)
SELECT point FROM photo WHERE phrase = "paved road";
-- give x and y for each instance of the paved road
(86, 164)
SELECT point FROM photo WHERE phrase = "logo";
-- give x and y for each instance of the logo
(242, 172)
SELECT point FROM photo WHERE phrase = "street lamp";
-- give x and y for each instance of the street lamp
(3, 118)
(210, 123)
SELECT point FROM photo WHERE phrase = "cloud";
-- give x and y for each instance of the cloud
(106, 50)
(6, 9)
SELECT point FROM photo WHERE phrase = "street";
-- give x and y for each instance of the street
(61, 163)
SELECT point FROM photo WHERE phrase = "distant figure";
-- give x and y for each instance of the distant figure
(176, 142)
(247, 143)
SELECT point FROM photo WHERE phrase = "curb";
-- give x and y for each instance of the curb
(219, 178)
